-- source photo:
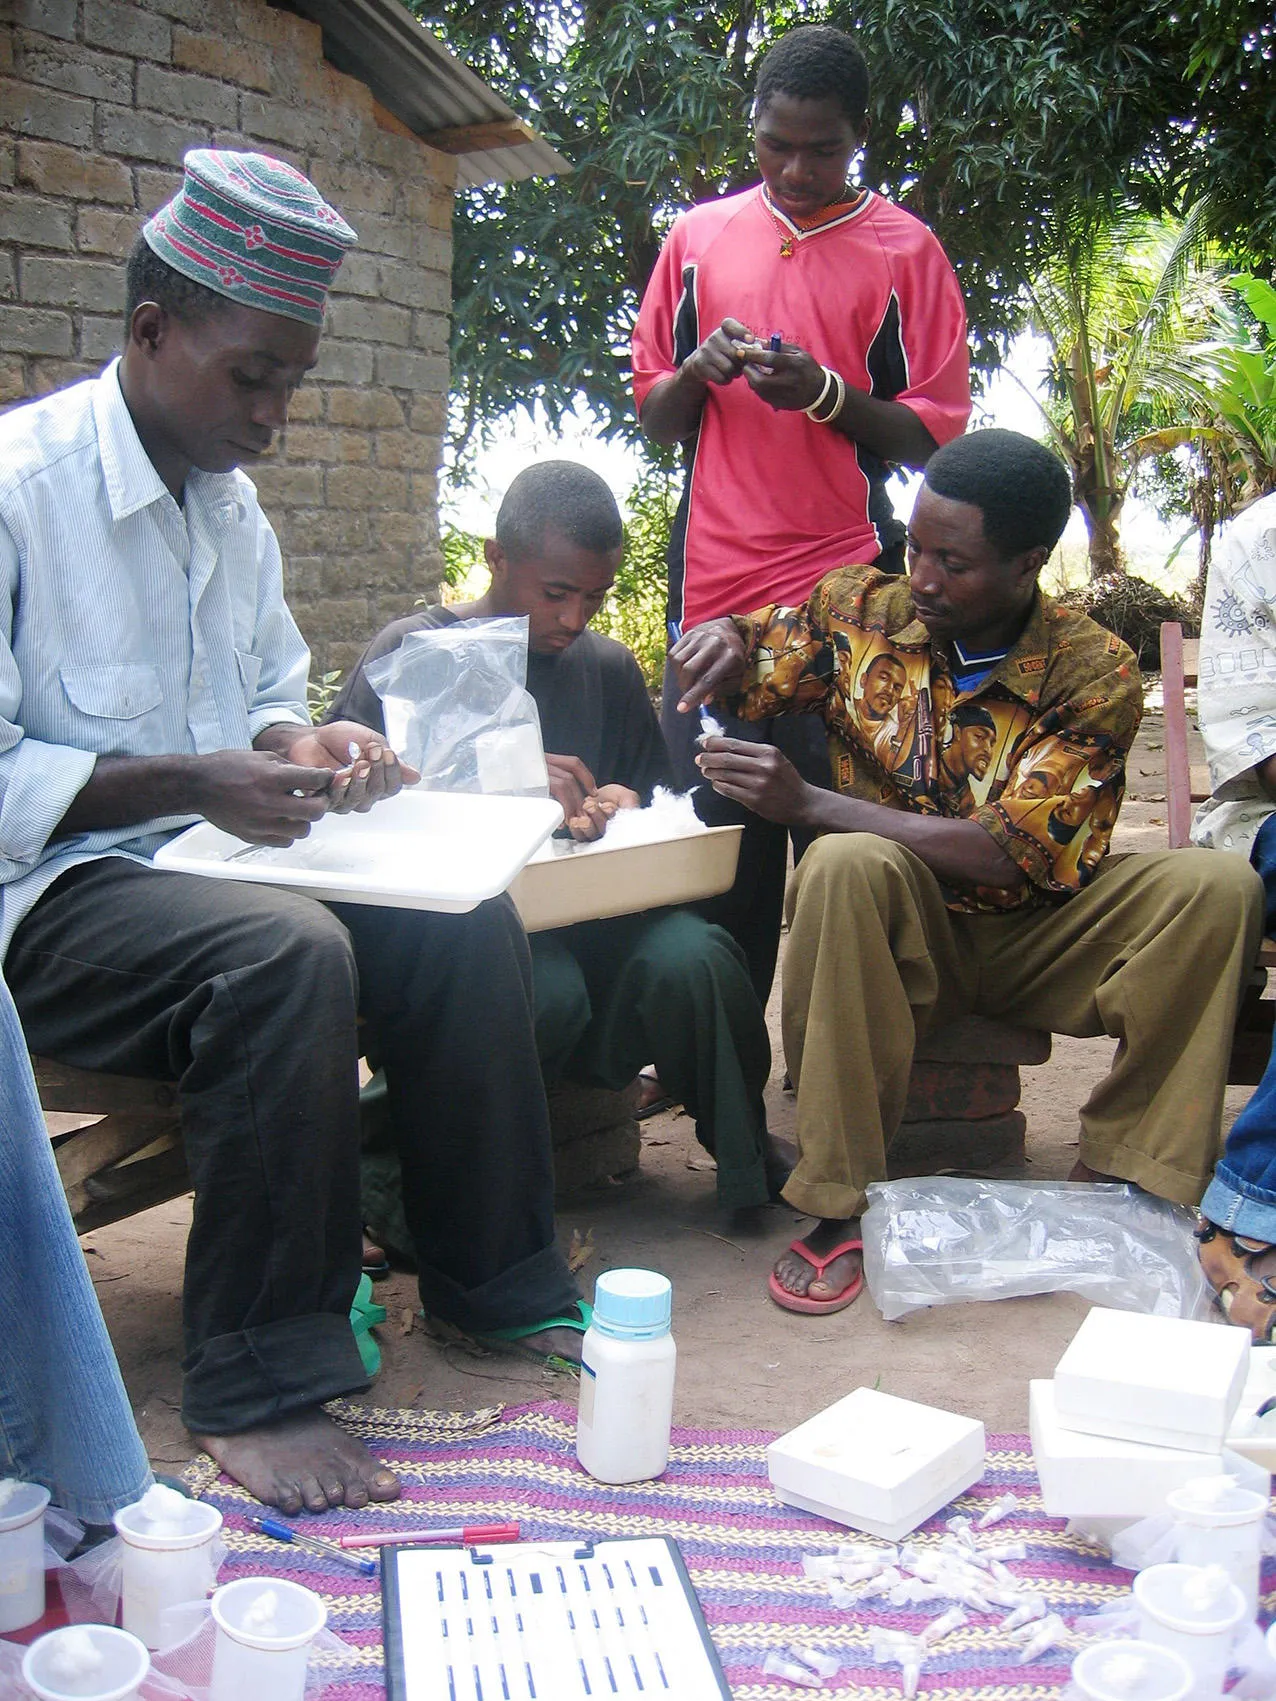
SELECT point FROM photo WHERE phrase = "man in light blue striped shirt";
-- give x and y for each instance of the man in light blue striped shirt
(150, 673)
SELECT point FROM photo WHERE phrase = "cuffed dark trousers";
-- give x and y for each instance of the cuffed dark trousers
(248, 998)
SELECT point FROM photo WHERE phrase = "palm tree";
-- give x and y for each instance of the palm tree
(1126, 303)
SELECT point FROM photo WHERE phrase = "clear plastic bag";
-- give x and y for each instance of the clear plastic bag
(457, 707)
(937, 1239)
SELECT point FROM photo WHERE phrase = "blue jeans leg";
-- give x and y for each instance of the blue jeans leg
(1242, 1195)
(65, 1420)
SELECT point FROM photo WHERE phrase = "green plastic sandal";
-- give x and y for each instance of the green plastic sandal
(517, 1332)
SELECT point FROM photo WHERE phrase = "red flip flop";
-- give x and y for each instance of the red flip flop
(813, 1307)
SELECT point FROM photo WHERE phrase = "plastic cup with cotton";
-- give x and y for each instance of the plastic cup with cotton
(1217, 1522)
(167, 1557)
(22, 1507)
(627, 1365)
(265, 1626)
(1196, 1610)
(86, 1662)
(1122, 1670)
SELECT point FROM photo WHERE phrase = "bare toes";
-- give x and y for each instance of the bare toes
(287, 1497)
(385, 1486)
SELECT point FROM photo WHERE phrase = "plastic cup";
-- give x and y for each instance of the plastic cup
(1220, 1523)
(264, 1664)
(22, 1557)
(125, 1663)
(164, 1571)
(1122, 1670)
(1203, 1635)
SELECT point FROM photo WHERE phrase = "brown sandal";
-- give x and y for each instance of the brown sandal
(1244, 1296)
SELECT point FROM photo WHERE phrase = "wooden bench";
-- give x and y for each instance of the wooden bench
(1187, 784)
(129, 1160)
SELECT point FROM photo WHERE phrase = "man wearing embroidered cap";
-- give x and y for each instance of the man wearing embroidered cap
(150, 673)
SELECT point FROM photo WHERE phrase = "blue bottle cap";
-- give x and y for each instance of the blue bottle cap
(632, 1305)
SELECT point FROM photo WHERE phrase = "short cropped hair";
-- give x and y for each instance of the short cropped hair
(561, 497)
(1022, 490)
(148, 278)
(815, 62)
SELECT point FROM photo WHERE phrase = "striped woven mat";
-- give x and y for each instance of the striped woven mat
(742, 1547)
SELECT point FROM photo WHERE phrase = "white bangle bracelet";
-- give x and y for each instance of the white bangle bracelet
(832, 381)
(829, 377)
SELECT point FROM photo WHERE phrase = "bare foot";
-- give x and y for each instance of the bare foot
(795, 1275)
(554, 1343)
(305, 1459)
(778, 1157)
(1082, 1172)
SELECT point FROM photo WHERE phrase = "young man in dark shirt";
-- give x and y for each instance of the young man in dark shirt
(661, 986)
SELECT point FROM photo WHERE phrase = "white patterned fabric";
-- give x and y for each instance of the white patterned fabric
(1237, 696)
(130, 625)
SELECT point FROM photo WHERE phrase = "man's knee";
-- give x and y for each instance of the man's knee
(677, 945)
(840, 863)
(1207, 882)
(301, 936)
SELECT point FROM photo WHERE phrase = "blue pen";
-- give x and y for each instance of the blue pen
(709, 726)
(776, 342)
(314, 1544)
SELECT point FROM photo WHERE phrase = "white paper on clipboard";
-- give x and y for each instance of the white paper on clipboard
(552, 1621)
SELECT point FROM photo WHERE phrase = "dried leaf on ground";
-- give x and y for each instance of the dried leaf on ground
(580, 1250)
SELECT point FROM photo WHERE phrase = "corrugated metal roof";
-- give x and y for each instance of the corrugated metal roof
(427, 88)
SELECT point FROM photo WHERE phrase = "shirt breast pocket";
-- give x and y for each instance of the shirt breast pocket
(249, 673)
(112, 691)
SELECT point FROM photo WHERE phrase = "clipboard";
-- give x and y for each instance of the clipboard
(546, 1621)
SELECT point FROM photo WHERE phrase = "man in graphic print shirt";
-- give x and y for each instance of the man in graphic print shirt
(922, 901)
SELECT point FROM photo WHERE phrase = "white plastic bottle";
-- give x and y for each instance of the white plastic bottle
(626, 1378)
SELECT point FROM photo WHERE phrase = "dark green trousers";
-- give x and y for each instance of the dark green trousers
(668, 988)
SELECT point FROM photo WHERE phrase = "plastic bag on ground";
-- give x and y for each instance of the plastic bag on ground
(457, 708)
(938, 1239)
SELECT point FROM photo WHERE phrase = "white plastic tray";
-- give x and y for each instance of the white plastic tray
(420, 850)
(568, 882)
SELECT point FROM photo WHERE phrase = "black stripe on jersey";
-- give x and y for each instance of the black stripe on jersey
(686, 323)
(887, 362)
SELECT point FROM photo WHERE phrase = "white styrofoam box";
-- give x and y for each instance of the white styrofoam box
(566, 882)
(420, 850)
(1165, 1381)
(1096, 1476)
(877, 1463)
(1252, 1436)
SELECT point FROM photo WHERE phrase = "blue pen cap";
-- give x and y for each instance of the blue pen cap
(632, 1305)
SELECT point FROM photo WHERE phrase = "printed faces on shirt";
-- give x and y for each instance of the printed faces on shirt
(950, 757)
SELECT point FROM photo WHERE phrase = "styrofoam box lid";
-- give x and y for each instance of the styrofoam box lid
(1250, 1435)
(1100, 1476)
(1132, 1376)
(877, 1455)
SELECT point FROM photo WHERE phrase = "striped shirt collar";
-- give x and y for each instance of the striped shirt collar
(819, 224)
(128, 472)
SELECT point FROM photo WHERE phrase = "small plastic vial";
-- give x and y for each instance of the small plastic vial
(626, 1378)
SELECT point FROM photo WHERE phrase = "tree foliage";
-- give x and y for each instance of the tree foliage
(995, 120)
(1127, 305)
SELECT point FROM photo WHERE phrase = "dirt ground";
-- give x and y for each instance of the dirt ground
(742, 1363)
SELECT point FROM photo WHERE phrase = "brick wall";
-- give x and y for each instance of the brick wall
(99, 99)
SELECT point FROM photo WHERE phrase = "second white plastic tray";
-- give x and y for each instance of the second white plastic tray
(567, 882)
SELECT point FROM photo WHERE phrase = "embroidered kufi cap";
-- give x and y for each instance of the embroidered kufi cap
(254, 229)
